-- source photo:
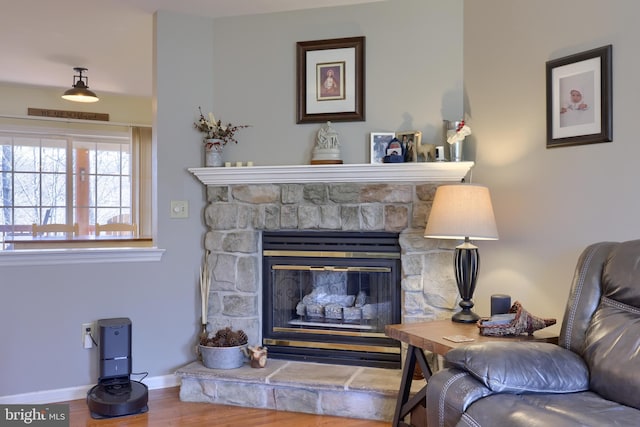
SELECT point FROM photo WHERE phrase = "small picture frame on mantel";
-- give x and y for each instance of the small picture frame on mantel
(378, 146)
(411, 142)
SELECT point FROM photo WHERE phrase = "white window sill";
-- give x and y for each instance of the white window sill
(78, 256)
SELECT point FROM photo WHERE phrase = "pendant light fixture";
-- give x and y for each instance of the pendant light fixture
(80, 91)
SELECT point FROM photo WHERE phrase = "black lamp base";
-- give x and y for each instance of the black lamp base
(465, 317)
(466, 263)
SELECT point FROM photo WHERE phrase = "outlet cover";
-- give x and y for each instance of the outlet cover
(179, 209)
(90, 327)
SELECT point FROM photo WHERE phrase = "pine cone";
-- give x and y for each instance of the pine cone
(227, 338)
(242, 337)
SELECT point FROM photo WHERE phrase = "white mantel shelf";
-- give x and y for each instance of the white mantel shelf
(387, 172)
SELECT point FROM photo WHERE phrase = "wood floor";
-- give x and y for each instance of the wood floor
(166, 409)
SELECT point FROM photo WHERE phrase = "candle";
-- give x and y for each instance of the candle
(249, 163)
(238, 164)
(500, 304)
(227, 164)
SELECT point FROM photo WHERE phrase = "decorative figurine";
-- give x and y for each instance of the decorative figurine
(521, 322)
(258, 356)
(327, 148)
(427, 151)
(395, 152)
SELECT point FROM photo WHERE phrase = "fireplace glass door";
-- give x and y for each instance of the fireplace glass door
(331, 305)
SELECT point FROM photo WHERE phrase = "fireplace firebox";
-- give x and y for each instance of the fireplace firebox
(327, 296)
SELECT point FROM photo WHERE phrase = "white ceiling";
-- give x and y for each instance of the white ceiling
(42, 40)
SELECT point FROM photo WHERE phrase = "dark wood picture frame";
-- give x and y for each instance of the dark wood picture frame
(345, 57)
(579, 98)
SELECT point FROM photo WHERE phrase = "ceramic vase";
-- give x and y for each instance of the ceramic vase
(213, 149)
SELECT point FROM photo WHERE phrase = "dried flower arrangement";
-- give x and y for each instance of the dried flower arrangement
(214, 129)
(461, 132)
(205, 285)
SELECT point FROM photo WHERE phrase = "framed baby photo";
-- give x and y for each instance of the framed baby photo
(579, 104)
(330, 80)
(378, 144)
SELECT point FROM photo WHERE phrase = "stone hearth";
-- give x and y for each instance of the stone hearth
(345, 391)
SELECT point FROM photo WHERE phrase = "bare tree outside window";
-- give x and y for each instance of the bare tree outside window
(65, 180)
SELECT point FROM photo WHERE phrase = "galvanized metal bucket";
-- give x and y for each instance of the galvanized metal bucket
(223, 357)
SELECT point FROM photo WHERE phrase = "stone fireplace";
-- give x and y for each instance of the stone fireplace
(244, 202)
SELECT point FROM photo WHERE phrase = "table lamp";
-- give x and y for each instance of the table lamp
(463, 211)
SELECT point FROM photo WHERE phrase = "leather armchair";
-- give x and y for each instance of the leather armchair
(592, 378)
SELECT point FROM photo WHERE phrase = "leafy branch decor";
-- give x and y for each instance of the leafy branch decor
(214, 129)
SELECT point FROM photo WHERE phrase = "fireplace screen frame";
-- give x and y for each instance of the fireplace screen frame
(341, 342)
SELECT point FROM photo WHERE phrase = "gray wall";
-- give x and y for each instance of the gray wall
(413, 75)
(549, 203)
(414, 80)
(43, 307)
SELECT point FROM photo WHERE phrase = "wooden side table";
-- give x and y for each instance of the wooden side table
(430, 336)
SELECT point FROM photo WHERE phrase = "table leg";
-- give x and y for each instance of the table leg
(404, 405)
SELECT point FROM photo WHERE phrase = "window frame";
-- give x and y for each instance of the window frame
(76, 129)
(75, 171)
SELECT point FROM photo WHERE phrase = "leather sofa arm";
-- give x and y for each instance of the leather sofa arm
(479, 370)
(522, 367)
(449, 393)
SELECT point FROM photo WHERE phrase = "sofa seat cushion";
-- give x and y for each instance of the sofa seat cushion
(522, 367)
(544, 410)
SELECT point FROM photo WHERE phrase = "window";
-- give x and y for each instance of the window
(63, 176)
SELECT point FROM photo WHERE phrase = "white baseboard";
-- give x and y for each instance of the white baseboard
(79, 392)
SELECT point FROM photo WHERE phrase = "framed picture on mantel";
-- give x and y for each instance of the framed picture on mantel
(330, 80)
(378, 146)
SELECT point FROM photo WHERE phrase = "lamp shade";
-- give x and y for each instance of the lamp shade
(80, 93)
(462, 211)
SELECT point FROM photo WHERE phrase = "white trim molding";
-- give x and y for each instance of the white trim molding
(79, 392)
(10, 258)
(386, 172)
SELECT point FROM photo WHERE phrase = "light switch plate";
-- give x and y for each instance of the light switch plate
(179, 209)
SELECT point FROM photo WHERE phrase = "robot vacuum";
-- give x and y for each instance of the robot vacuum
(116, 395)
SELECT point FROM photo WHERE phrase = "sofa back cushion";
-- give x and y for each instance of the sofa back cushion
(612, 340)
(584, 298)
